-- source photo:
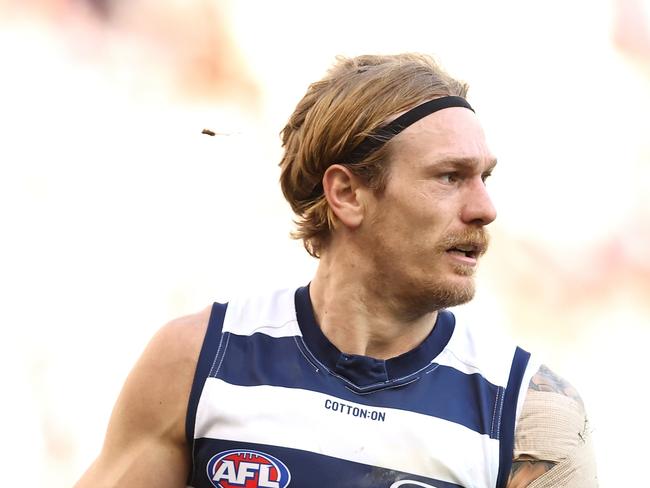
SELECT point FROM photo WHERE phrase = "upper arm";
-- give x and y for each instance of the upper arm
(552, 439)
(145, 442)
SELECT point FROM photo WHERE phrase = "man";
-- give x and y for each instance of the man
(362, 378)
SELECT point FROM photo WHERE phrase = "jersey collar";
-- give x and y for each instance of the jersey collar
(364, 371)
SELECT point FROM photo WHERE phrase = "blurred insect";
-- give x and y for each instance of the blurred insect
(210, 132)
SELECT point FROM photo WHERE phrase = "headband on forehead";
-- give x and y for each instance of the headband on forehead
(381, 136)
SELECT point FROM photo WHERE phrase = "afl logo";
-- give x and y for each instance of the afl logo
(244, 468)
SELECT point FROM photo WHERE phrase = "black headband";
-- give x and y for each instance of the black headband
(375, 140)
(381, 136)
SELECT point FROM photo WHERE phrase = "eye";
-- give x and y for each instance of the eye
(450, 178)
(486, 175)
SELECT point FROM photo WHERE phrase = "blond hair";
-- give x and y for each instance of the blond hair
(337, 113)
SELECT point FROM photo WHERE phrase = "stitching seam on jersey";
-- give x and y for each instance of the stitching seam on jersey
(394, 380)
(325, 368)
(216, 356)
(494, 413)
(503, 396)
(209, 375)
(462, 361)
(295, 338)
(225, 347)
(389, 387)
(307, 351)
(271, 326)
(435, 366)
(362, 389)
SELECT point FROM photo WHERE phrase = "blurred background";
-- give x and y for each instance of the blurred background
(117, 214)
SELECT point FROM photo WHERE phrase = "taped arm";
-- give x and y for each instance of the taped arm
(552, 438)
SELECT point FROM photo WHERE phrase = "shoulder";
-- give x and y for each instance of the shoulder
(553, 419)
(166, 368)
(159, 385)
(545, 380)
(148, 420)
(172, 352)
(552, 438)
(180, 339)
(554, 404)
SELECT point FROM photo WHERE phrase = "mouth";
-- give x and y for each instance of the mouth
(465, 248)
(466, 255)
(472, 251)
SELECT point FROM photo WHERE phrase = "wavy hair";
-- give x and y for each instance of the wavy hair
(356, 97)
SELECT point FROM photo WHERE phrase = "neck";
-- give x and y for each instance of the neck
(360, 317)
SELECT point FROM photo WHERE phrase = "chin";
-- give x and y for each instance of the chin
(453, 294)
(433, 296)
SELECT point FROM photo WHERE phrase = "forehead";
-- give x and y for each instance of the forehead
(452, 133)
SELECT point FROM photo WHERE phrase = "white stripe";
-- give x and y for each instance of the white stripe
(531, 369)
(273, 314)
(472, 351)
(294, 418)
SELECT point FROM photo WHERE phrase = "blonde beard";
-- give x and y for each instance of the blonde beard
(414, 298)
(437, 295)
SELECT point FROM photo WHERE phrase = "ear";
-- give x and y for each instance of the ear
(343, 191)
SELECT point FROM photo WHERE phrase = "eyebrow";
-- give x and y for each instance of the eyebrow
(467, 163)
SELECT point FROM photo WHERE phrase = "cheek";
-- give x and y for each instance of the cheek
(418, 215)
(424, 219)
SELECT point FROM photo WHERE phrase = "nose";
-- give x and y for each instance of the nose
(478, 208)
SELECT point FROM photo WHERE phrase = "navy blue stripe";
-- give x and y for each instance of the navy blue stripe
(507, 435)
(206, 358)
(438, 391)
(311, 470)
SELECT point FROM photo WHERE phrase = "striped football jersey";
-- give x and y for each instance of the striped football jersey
(275, 404)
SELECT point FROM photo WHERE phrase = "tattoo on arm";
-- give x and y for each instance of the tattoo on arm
(547, 380)
(526, 470)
